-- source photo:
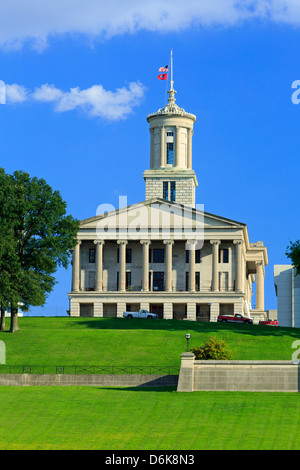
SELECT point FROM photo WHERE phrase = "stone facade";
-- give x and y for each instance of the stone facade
(287, 287)
(166, 254)
(246, 376)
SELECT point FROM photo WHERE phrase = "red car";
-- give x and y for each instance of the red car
(237, 318)
(269, 322)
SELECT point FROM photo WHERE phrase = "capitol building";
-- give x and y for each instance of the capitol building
(166, 254)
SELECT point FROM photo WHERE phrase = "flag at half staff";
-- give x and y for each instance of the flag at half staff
(162, 76)
(164, 69)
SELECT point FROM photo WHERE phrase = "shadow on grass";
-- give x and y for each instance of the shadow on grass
(140, 388)
(182, 325)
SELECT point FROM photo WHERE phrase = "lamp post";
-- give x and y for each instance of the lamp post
(187, 342)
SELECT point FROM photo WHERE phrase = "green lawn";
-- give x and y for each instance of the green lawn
(122, 419)
(124, 342)
(141, 418)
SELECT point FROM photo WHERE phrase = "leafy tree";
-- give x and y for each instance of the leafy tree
(293, 252)
(35, 238)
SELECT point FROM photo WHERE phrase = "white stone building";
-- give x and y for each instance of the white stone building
(165, 254)
(287, 288)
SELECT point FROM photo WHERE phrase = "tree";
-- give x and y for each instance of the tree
(293, 252)
(36, 236)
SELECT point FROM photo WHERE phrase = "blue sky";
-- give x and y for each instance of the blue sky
(81, 78)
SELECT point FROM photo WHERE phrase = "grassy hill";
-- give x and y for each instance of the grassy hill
(140, 418)
(128, 342)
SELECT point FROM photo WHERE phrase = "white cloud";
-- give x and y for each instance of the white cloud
(94, 101)
(47, 93)
(37, 21)
(15, 93)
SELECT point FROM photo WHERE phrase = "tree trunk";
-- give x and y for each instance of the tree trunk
(2, 321)
(14, 326)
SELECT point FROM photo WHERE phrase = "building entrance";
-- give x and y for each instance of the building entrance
(158, 309)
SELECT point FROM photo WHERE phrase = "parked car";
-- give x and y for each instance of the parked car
(269, 322)
(237, 318)
(140, 314)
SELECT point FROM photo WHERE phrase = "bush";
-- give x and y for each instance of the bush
(213, 349)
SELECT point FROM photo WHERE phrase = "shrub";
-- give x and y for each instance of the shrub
(213, 349)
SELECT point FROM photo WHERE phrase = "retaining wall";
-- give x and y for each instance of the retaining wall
(255, 376)
(99, 380)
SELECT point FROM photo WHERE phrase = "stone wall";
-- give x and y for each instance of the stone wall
(100, 380)
(251, 376)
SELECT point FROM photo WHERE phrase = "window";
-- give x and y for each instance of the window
(166, 190)
(170, 153)
(158, 255)
(128, 279)
(158, 281)
(223, 281)
(128, 255)
(172, 191)
(197, 281)
(197, 256)
(92, 255)
(169, 191)
(170, 133)
(224, 255)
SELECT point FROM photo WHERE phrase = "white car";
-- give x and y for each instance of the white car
(140, 314)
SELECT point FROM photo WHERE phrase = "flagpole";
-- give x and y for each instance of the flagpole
(172, 69)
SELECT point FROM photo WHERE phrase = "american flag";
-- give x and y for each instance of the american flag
(164, 69)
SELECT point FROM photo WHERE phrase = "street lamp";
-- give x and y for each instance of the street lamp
(187, 341)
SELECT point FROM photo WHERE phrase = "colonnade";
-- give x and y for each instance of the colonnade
(191, 245)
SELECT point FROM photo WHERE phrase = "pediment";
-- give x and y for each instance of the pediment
(156, 218)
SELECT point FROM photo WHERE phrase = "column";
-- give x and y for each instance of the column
(177, 146)
(189, 148)
(168, 265)
(99, 265)
(162, 147)
(215, 264)
(74, 308)
(145, 279)
(191, 246)
(122, 265)
(238, 265)
(191, 311)
(151, 148)
(260, 288)
(76, 268)
(214, 311)
(98, 309)
(168, 311)
(121, 308)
